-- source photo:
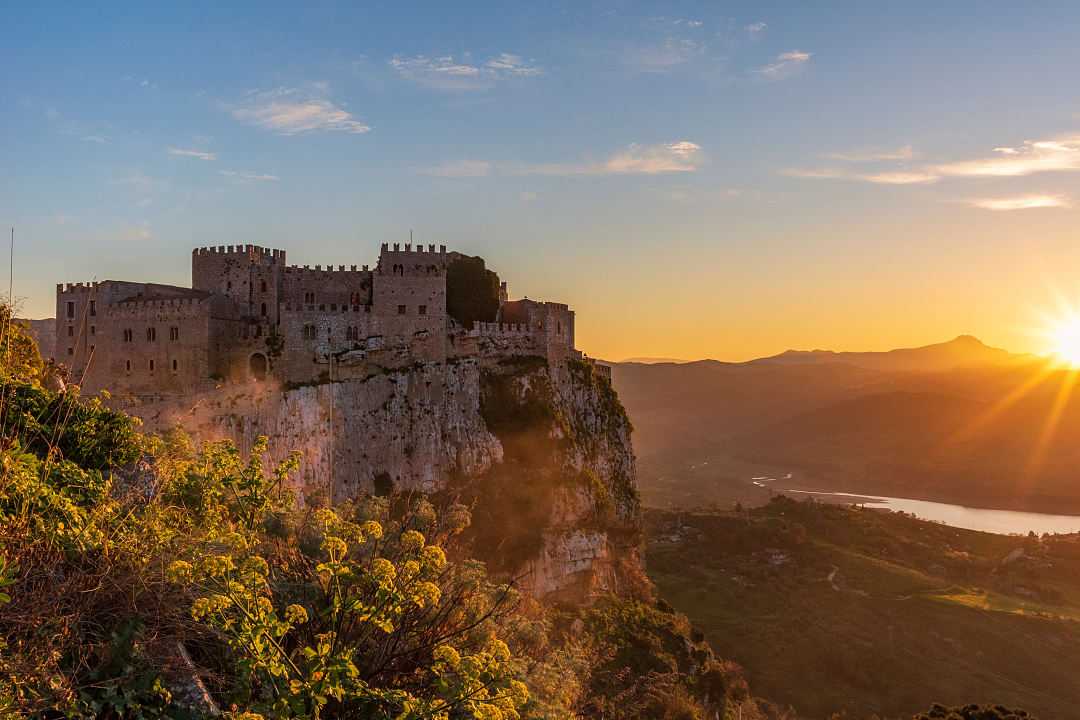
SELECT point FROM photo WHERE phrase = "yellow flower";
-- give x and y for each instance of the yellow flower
(256, 565)
(434, 557)
(326, 517)
(265, 606)
(427, 594)
(411, 541)
(447, 654)
(218, 564)
(372, 529)
(334, 546)
(411, 568)
(499, 649)
(179, 571)
(383, 570)
(296, 614)
(519, 692)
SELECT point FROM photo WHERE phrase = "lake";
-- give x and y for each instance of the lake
(1004, 522)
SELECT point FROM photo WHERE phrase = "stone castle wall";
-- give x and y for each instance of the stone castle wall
(249, 315)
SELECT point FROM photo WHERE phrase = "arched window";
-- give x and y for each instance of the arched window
(263, 308)
(175, 365)
(151, 366)
(127, 365)
(151, 334)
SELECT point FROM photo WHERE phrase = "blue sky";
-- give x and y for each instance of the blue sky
(695, 178)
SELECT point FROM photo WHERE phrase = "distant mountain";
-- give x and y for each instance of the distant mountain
(963, 351)
(654, 360)
(956, 421)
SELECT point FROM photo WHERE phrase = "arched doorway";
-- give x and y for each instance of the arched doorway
(257, 365)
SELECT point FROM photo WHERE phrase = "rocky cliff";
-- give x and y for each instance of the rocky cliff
(542, 453)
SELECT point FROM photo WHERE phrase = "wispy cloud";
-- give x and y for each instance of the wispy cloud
(785, 65)
(1020, 202)
(446, 73)
(198, 154)
(459, 169)
(291, 111)
(675, 157)
(756, 28)
(94, 139)
(509, 64)
(901, 153)
(243, 175)
(900, 177)
(1034, 156)
(664, 55)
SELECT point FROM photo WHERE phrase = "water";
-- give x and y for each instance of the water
(1004, 522)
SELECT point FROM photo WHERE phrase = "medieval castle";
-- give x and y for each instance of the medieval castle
(248, 316)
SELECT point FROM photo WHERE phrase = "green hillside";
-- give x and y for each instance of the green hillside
(832, 608)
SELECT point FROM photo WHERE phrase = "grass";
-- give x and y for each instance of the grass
(915, 613)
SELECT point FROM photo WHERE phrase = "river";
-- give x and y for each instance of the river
(1004, 522)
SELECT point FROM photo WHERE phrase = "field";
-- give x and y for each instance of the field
(836, 609)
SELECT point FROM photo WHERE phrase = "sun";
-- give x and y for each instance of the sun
(1064, 339)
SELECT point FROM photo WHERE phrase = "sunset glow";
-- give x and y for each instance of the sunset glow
(1064, 337)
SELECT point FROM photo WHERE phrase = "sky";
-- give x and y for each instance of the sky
(696, 179)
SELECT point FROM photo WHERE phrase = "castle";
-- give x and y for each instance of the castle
(250, 317)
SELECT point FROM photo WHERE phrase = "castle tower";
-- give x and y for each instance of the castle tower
(249, 275)
(409, 294)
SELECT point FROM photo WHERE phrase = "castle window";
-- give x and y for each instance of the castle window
(127, 365)
(91, 349)
(228, 285)
(174, 333)
(400, 309)
(71, 351)
(151, 334)
(322, 308)
(93, 330)
(71, 309)
(93, 307)
(262, 286)
(422, 310)
(128, 335)
(263, 308)
(151, 366)
(175, 365)
(71, 331)
(309, 298)
(258, 331)
(333, 307)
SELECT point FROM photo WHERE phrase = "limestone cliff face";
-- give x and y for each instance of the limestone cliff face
(542, 453)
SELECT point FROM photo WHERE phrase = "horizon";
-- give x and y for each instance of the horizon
(773, 178)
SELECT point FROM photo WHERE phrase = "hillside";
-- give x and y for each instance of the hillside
(958, 421)
(833, 608)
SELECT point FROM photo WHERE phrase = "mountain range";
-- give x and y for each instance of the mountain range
(957, 421)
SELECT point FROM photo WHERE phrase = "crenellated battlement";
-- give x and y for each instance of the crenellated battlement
(409, 249)
(251, 251)
(76, 287)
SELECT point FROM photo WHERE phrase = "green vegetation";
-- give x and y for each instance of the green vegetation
(145, 577)
(472, 291)
(832, 608)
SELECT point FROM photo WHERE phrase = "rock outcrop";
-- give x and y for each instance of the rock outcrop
(542, 453)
